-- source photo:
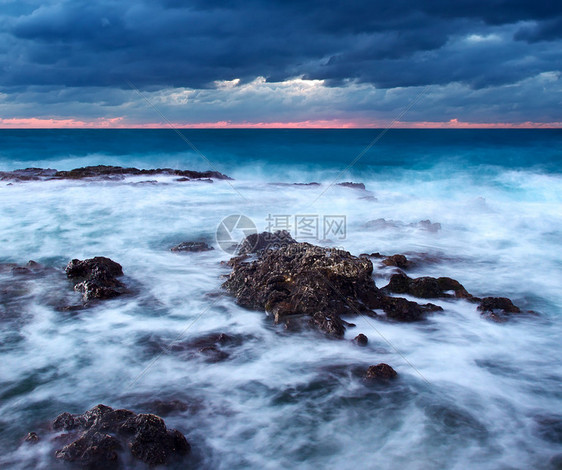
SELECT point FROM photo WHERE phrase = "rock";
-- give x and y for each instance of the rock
(303, 279)
(380, 371)
(32, 437)
(106, 171)
(400, 261)
(427, 287)
(497, 309)
(97, 277)
(428, 225)
(259, 242)
(361, 340)
(399, 309)
(152, 442)
(300, 279)
(100, 434)
(92, 449)
(349, 184)
(192, 247)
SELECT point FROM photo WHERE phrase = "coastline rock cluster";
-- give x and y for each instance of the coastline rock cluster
(97, 438)
(105, 171)
(300, 282)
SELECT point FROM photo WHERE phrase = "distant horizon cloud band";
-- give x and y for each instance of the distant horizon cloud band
(280, 64)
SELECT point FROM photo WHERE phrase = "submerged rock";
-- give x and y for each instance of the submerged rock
(98, 436)
(380, 371)
(497, 309)
(192, 247)
(97, 277)
(361, 340)
(349, 184)
(400, 261)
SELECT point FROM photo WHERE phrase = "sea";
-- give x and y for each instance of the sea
(481, 206)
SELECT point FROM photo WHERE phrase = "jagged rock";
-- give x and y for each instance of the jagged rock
(192, 247)
(400, 261)
(403, 310)
(300, 279)
(104, 171)
(259, 242)
(102, 433)
(349, 184)
(380, 371)
(361, 340)
(32, 437)
(427, 287)
(97, 277)
(497, 309)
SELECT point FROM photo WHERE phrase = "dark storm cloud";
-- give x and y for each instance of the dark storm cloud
(172, 43)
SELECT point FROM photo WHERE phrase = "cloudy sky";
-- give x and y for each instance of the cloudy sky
(276, 63)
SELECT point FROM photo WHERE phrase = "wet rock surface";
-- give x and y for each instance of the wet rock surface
(104, 171)
(497, 309)
(322, 284)
(97, 278)
(260, 242)
(380, 371)
(191, 247)
(383, 224)
(427, 287)
(98, 438)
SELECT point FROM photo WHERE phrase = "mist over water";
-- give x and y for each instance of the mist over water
(470, 394)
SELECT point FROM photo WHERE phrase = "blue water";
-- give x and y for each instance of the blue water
(471, 393)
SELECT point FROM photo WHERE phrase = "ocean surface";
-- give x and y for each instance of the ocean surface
(471, 393)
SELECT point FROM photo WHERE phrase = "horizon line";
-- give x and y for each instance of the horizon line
(333, 124)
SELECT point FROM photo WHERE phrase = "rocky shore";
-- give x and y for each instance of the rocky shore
(106, 172)
(300, 285)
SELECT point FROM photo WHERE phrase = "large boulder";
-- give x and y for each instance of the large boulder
(300, 279)
(96, 438)
(96, 277)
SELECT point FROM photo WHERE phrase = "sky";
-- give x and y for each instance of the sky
(280, 63)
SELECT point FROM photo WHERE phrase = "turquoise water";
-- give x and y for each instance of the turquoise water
(470, 393)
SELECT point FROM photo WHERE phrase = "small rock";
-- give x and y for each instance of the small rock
(97, 276)
(380, 371)
(32, 437)
(400, 261)
(361, 340)
(192, 247)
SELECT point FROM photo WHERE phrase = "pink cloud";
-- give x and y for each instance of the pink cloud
(120, 123)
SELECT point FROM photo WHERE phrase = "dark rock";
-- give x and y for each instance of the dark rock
(100, 434)
(192, 247)
(300, 279)
(303, 279)
(105, 171)
(400, 261)
(399, 309)
(427, 287)
(97, 277)
(349, 184)
(153, 443)
(497, 309)
(361, 339)
(165, 408)
(383, 224)
(259, 242)
(32, 437)
(92, 449)
(380, 371)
